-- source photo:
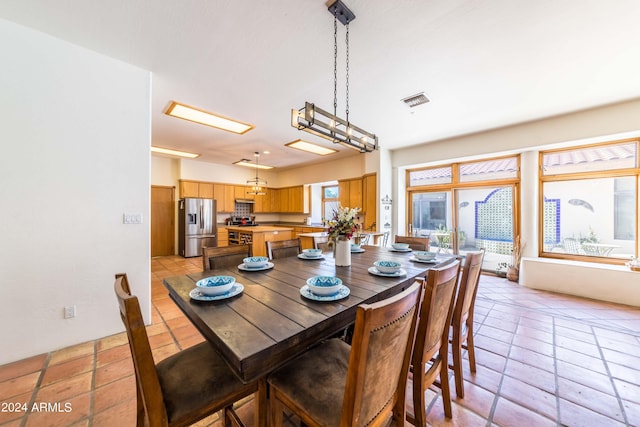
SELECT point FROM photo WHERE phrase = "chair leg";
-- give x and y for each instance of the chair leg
(471, 351)
(456, 349)
(419, 389)
(261, 408)
(446, 391)
(275, 410)
(231, 419)
(141, 415)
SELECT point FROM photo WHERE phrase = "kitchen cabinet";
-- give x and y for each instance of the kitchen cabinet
(225, 197)
(350, 193)
(240, 192)
(197, 189)
(369, 200)
(293, 200)
(223, 237)
(263, 203)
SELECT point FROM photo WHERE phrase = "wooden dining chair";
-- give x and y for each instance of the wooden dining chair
(415, 243)
(334, 384)
(283, 248)
(462, 320)
(431, 348)
(225, 256)
(185, 387)
(321, 242)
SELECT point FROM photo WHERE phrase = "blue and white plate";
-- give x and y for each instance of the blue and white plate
(343, 292)
(400, 250)
(199, 296)
(399, 273)
(357, 251)
(303, 256)
(267, 266)
(426, 261)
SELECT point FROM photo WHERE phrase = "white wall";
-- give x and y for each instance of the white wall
(75, 136)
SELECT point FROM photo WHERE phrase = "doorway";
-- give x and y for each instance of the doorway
(162, 221)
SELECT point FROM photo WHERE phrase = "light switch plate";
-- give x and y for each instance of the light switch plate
(132, 218)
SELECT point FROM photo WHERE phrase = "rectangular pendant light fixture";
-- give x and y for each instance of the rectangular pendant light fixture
(174, 152)
(203, 117)
(310, 148)
(321, 123)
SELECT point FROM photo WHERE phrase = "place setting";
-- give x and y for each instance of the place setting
(216, 288)
(356, 248)
(400, 247)
(387, 269)
(255, 263)
(311, 254)
(324, 288)
(424, 257)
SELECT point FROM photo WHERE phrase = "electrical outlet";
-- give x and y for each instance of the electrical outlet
(69, 311)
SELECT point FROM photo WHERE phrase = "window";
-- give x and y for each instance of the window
(474, 201)
(330, 201)
(590, 207)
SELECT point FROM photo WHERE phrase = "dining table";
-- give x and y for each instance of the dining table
(271, 321)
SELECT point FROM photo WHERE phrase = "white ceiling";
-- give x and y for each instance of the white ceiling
(483, 63)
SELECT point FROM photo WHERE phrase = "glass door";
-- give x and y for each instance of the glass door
(485, 219)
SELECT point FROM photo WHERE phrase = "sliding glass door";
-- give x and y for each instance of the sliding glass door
(467, 206)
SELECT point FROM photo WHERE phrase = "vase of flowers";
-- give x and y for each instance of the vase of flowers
(341, 228)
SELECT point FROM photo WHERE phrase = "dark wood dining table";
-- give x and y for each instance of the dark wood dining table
(270, 322)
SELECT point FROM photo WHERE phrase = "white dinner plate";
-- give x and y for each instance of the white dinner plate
(236, 289)
(400, 250)
(267, 266)
(426, 261)
(343, 292)
(303, 256)
(357, 251)
(399, 273)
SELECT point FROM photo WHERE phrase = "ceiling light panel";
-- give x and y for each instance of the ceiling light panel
(203, 117)
(251, 164)
(174, 152)
(311, 148)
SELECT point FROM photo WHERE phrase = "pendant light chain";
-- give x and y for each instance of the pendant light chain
(335, 65)
(347, 108)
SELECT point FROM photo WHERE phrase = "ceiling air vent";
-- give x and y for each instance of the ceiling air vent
(415, 100)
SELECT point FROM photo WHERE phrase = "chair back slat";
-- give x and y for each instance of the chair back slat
(379, 359)
(468, 287)
(225, 256)
(283, 248)
(415, 243)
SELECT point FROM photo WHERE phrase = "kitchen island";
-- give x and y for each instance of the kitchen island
(257, 235)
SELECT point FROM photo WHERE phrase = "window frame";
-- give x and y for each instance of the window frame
(581, 176)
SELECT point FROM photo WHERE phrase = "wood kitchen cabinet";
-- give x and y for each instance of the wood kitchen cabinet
(351, 193)
(263, 203)
(203, 190)
(225, 197)
(369, 200)
(223, 237)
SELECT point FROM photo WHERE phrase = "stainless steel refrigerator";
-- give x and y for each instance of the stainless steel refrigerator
(197, 226)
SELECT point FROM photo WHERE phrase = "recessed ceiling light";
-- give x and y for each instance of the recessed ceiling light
(174, 152)
(309, 147)
(203, 117)
(251, 164)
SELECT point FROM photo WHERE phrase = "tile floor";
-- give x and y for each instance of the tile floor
(543, 359)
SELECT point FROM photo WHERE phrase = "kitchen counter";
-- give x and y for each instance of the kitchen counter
(257, 236)
(256, 228)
